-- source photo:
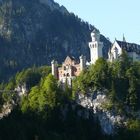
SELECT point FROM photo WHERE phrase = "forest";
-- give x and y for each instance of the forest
(46, 111)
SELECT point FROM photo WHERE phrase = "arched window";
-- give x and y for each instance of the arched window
(68, 74)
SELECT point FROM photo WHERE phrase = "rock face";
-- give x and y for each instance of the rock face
(109, 120)
(7, 109)
(33, 32)
(21, 90)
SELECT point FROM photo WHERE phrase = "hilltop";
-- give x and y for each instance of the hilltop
(104, 103)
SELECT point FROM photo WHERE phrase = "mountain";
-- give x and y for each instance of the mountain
(33, 32)
(54, 6)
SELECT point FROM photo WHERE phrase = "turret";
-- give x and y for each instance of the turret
(95, 35)
(124, 40)
(95, 46)
(82, 62)
(54, 68)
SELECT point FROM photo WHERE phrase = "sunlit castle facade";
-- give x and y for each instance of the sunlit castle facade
(132, 49)
(96, 49)
(71, 68)
(95, 46)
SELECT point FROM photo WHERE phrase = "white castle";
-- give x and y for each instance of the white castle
(132, 50)
(96, 49)
(71, 68)
(96, 46)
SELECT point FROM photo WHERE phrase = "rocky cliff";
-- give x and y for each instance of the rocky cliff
(109, 119)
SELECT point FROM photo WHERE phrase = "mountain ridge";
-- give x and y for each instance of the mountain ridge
(55, 6)
(33, 34)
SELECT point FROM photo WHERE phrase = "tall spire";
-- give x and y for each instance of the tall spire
(124, 40)
(95, 46)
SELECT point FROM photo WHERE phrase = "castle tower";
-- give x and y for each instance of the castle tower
(82, 62)
(124, 40)
(54, 68)
(95, 46)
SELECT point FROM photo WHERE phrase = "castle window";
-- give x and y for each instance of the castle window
(67, 67)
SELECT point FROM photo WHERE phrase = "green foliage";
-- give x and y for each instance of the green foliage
(8, 88)
(6, 97)
(82, 83)
(10, 85)
(96, 77)
(46, 111)
(32, 76)
(44, 97)
(133, 125)
(48, 93)
(24, 104)
(33, 98)
(67, 92)
(108, 105)
(133, 77)
(100, 73)
(121, 78)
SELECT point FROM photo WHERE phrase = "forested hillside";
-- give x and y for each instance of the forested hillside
(33, 33)
(46, 111)
(104, 101)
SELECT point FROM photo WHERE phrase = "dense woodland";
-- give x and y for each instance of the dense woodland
(46, 111)
(31, 35)
(121, 78)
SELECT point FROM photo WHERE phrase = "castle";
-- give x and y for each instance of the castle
(71, 68)
(132, 49)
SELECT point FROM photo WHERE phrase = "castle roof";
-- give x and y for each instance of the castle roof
(129, 47)
(71, 57)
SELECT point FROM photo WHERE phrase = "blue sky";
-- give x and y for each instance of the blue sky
(112, 17)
